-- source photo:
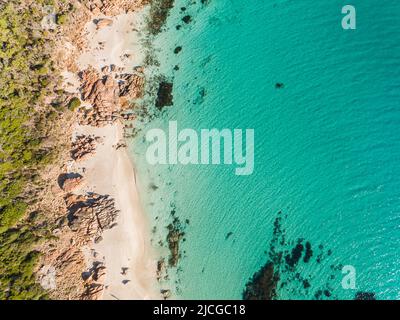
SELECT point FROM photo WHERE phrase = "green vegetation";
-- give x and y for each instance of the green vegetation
(17, 263)
(74, 104)
(61, 19)
(26, 72)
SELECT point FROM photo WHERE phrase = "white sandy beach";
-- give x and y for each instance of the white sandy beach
(125, 249)
(127, 245)
(117, 44)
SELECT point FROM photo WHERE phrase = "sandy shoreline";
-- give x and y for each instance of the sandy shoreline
(125, 249)
(127, 245)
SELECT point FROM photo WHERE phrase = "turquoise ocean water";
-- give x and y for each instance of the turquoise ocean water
(327, 144)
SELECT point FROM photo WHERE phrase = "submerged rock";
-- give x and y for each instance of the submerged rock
(174, 237)
(161, 269)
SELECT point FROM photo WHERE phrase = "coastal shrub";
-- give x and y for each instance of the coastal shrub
(11, 214)
(41, 70)
(74, 104)
(17, 263)
(58, 106)
(25, 79)
(61, 19)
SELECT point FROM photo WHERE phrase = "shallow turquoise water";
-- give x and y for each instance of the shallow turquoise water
(327, 145)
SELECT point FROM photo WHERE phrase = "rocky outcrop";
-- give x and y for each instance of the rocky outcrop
(90, 215)
(70, 181)
(107, 97)
(64, 271)
(110, 8)
(102, 23)
(131, 86)
(63, 265)
(102, 93)
(77, 220)
(93, 281)
(84, 146)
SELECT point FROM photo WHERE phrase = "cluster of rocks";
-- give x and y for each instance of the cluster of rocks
(102, 94)
(84, 146)
(86, 218)
(131, 86)
(105, 96)
(108, 95)
(68, 264)
(174, 237)
(108, 7)
(89, 215)
(93, 281)
(70, 181)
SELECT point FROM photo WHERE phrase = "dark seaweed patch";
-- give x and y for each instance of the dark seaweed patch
(164, 95)
(228, 235)
(177, 49)
(306, 284)
(187, 19)
(365, 296)
(308, 254)
(159, 12)
(175, 235)
(281, 269)
(284, 270)
(327, 293)
(263, 284)
(293, 258)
